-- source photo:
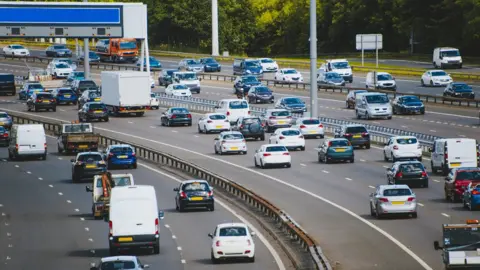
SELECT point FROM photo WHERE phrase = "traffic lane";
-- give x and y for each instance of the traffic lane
(38, 221)
(182, 240)
(337, 240)
(416, 64)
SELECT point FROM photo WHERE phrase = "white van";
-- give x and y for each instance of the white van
(233, 108)
(189, 78)
(453, 153)
(134, 219)
(446, 57)
(27, 141)
(384, 81)
(340, 66)
(372, 105)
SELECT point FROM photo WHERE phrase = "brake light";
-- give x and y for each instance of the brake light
(110, 155)
(329, 143)
(272, 117)
(266, 154)
(383, 199)
(395, 147)
(320, 126)
(411, 199)
(5, 135)
(210, 193)
(189, 116)
(156, 226)
(182, 194)
(16, 147)
(217, 243)
(122, 109)
(241, 127)
(446, 155)
(38, 100)
(302, 126)
(110, 227)
(286, 154)
(209, 121)
(90, 110)
(174, 116)
(281, 137)
(228, 113)
(348, 134)
(134, 155)
(475, 192)
(52, 100)
(364, 134)
(424, 174)
(399, 175)
(45, 146)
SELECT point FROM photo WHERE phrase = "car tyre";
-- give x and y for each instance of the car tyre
(251, 260)
(377, 214)
(325, 159)
(263, 166)
(54, 109)
(134, 165)
(422, 83)
(211, 207)
(255, 162)
(352, 160)
(289, 165)
(106, 119)
(385, 158)
(372, 213)
(367, 146)
(414, 215)
(212, 258)
(74, 179)
(156, 249)
(420, 159)
(431, 83)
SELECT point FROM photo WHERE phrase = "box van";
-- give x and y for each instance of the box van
(373, 105)
(233, 108)
(383, 81)
(446, 57)
(27, 141)
(454, 153)
(247, 67)
(340, 66)
(134, 219)
(7, 84)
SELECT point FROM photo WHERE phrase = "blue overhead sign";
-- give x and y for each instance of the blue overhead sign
(60, 15)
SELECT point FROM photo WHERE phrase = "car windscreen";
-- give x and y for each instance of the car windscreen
(384, 77)
(86, 84)
(179, 111)
(217, 117)
(339, 143)
(276, 149)
(332, 75)
(252, 64)
(462, 88)
(411, 99)
(411, 168)
(356, 130)
(311, 122)
(233, 231)
(97, 106)
(233, 137)
(7, 78)
(468, 175)
(121, 150)
(290, 71)
(249, 79)
(377, 99)
(118, 265)
(451, 53)
(3, 115)
(407, 141)
(359, 91)
(35, 86)
(2, 130)
(281, 113)
(292, 101)
(187, 76)
(60, 47)
(241, 104)
(128, 45)
(62, 65)
(341, 65)
(439, 73)
(122, 180)
(263, 90)
(267, 61)
(191, 62)
(180, 87)
(196, 186)
(209, 61)
(17, 47)
(65, 92)
(44, 96)
(79, 74)
(78, 128)
(462, 236)
(397, 192)
(90, 158)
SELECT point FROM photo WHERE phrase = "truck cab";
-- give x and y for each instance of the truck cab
(77, 137)
(117, 50)
(99, 204)
(461, 243)
(189, 78)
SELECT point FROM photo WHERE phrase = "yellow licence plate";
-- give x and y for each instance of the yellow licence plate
(357, 136)
(339, 150)
(97, 99)
(398, 203)
(196, 199)
(2, 123)
(312, 132)
(98, 111)
(456, 164)
(122, 156)
(125, 239)
(281, 122)
(90, 166)
(233, 148)
(46, 101)
(218, 126)
(67, 96)
(83, 146)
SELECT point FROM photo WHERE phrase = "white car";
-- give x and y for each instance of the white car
(178, 90)
(393, 199)
(309, 127)
(213, 122)
(289, 137)
(119, 262)
(154, 101)
(16, 50)
(268, 64)
(230, 142)
(435, 78)
(67, 61)
(152, 82)
(402, 147)
(232, 240)
(288, 75)
(272, 154)
(59, 70)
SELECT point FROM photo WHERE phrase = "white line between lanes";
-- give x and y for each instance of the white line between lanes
(349, 212)
(445, 215)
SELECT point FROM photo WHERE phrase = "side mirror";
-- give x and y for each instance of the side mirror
(253, 234)
(161, 214)
(430, 150)
(436, 245)
(88, 189)
(210, 235)
(176, 189)
(72, 160)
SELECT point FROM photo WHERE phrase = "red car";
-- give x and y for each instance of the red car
(458, 180)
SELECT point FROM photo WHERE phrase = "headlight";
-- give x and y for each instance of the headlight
(219, 65)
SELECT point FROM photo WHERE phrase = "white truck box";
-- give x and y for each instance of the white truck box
(126, 91)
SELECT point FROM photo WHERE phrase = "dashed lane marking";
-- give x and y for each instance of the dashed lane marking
(362, 160)
(174, 131)
(174, 237)
(325, 171)
(348, 179)
(90, 239)
(87, 229)
(130, 122)
(301, 164)
(82, 219)
(60, 193)
(371, 186)
(68, 201)
(40, 178)
(29, 172)
(167, 226)
(183, 261)
(435, 180)
(421, 204)
(445, 215)
(77, 210)
(432, 130)
(153, 127)
(16, 166)
(50, 186)
(179, 248)
(60, 158)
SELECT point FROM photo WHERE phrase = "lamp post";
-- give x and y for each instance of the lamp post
(313, 59)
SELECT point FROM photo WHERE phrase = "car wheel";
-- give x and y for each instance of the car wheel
(134, 165)
(211, 207)
(35, 108)
(372, 212)
(289, 165)
(262, 138)
(422, 83)
(106, 119)
(414, 215)
(262, 165)
(199, 130)
(385, 158)
(255, 162)
(377, 214)
(212, 258)
(368, 146)
(215, 150)
(431, 83)
(156, 249)
(302, 148)
(352, 160)
(181, 208)
(54, 109)
(251, 260)
(325, 159)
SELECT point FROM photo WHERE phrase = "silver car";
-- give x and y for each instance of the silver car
(310, 127)
(119, 262)
(276, 118)
(393, 199)
(190, 65)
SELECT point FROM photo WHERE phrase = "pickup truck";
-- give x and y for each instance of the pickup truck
(101, 204)
(77, 137)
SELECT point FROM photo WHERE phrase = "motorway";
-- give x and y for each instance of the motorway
(46, 221)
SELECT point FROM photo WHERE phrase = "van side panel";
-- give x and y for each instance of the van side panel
(462, 153)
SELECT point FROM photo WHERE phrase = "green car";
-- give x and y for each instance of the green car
(338, 149)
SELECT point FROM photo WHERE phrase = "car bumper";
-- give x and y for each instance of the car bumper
(298, 110)
(248, 134)
(411, 181)
(312, 133)
(436, 83)
(88, 173)
(97, 115)
(379, 114)
(384, 87)
(233, 149)
(403, 209)
(264, 99)
(148, 240)
(4, 140)
(277, 160)
(45, 106)
(233, 252)
(413, 110)
(408, 155)
(202, 203)
(32, 152)
(126, 161)
(61, 100)
(179, 122)
(348, 77)
(340, 156)
(356, 142)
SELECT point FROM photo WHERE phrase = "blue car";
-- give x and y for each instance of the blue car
(210, 64)
(76, 75)
(92, 57)
(471, 195)
(407, 105)
(338, 149)
(154, 63)
(120, 155)
(65, 96)
(29, 88)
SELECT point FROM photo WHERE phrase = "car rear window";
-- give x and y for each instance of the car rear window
(118, 265)
(238, 105)
(96, 106)
(356, 129)
(233, 137)
(468, 175)
(2, 130)
(196, 186)
(118, 150)
(339, 143)
(65, 91)
(276, 149)
(291, 132)
(87, 84)
(397, 192)
(44, 96)
(233, 231)
(217, 117)
(248, 121)
(3, 115)
(311, 122)
(90, 158)
(407, 141)
(179, 110)
(281, 113)
(411, 168)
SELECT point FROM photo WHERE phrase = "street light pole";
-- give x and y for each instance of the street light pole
(313, 59)
(215, 49)
(86, 57)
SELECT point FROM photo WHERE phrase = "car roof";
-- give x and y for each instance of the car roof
(336, 139)
(271, 144)
(15, 44)
(89, 153)
(410, 96)
(434, 70)
(209, 114)
(119, 258)
(276, 110)
(385, 187)
(195, 180)
(337, 60)
(460, 83)
(231, 224)
(373, 94)
(467, 169)
(354, 125)
(447, 48)
(231, 100)
(230, 132)
(178, 108)
(121, 146)
(284, 69)
(383, 73)
(95, 102)
(403, 137)
(408, 162)
(290, 97)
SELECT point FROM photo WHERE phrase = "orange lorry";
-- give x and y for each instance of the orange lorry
(117, 50)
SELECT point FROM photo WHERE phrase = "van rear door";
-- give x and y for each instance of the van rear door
(236, 109)
(31, 140)
(461, 153)
(133, 217)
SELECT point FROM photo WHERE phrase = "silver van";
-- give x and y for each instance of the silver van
(373, 105)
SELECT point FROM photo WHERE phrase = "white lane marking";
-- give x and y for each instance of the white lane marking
(196, 136)
(90, 239)
(174, 237)
(62, 110)
(40, 178)
(60, 193)
(1, 205)
(3, 214)
(435, 180)
(183, 261)
(130, 122)
(50, 186)
(271, 249)
(421, 204)
(461, 135)
(77, 210)
(404, 126)
(153, 127)
(325, 171)
(348, 179)
(386, 167)
(445, 215)
(87, 229)
(8, 258)
(16, 166)
(9, 234)
(29, 172)
(179, 248)
(68, 201)
(301, 164)
(82, 219)
(60, 158)
(362, 160)
(432, 130)
(174, 131)
(371, 186)
(260, 236)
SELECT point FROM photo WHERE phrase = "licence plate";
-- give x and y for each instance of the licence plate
(357, 136)
(312, 132)
(46, 101)
(196, 199)
(125, 239)
(67, 96)
(90, 166)
(398, 203)
(83, 146)
(98, 111)
(456, 164)
(234, 148)
(2, 123)
(122, 156)
(97, 99)
(218, 126)
(281, 122)
(339, 150)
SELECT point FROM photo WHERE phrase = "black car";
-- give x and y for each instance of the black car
(411, 173)
(93, 111)
(86, 165)
(194, 193)
(89, 96)
(293, 104)
(4, 136)
(58, 50)
(250, 127)
(459, 90)
(7, 84)
(80, 86)
(210, 64)
(242, 84)
(176, 116)
(356, 134)
(407, 105)
(41, 101)
(166, 77)
(260, 94)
